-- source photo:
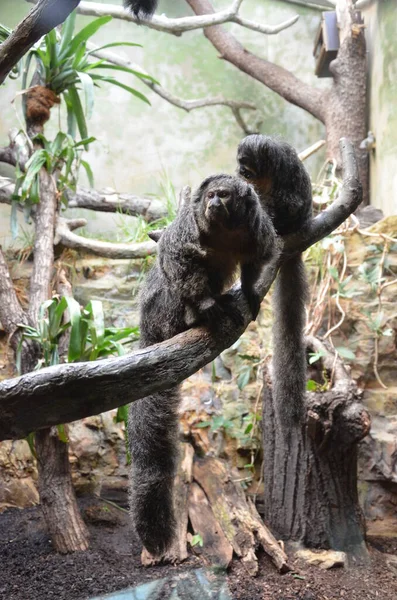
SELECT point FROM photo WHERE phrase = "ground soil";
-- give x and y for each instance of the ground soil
(31, 570)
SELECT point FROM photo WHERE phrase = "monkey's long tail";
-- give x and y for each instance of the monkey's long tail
(153, 441)
(289, 351)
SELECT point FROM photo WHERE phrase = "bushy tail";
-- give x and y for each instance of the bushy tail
(289, 350)
(153, 441)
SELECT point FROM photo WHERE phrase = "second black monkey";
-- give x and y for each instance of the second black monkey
(284, 189)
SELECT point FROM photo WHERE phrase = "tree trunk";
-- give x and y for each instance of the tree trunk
(58, 501)
(310, 474)
(61, 513)
(346, 107)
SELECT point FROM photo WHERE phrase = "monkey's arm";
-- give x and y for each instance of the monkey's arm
(265, 246)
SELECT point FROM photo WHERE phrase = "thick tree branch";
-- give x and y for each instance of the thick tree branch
(43, 17)
(110, 201)
(278, 79)
(151, 209)
(68, 239)
(73, 391)
(181, 25)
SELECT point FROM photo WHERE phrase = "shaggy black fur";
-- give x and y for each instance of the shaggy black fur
(284, 189)
(141, 8)
(221, 228)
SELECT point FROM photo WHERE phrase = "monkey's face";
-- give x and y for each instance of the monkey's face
(217, 201)
(261, 182)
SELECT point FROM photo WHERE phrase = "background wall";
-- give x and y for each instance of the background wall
(136, 143)
(381, 19)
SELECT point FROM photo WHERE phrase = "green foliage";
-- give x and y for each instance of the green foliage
(62, 157)
(69, 69)
(197, 540)
(89, 339)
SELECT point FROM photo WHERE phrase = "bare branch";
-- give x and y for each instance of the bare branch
(186, 105)
(43, 17)
(151, 209)
(73, 391)
(108, 200)
(180, 25)
(278, 79)
(67, 238)
(311, 150)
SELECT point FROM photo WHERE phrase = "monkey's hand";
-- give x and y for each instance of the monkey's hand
(211, 311)
(254, 301)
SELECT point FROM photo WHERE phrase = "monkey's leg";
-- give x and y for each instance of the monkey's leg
(289, 351)
(153, 440)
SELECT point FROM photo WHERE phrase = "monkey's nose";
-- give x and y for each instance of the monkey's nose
(215, 203)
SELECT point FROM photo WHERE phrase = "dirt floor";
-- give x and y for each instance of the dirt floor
(30, 570)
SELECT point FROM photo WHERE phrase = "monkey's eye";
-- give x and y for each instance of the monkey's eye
(246, 173)
(210, 195)
(223, 194)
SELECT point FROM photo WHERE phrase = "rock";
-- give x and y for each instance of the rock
(325, 559)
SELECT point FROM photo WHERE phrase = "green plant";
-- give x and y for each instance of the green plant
(67, 67)
(89, 339)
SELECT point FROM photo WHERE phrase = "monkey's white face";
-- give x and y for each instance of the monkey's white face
(216, 203)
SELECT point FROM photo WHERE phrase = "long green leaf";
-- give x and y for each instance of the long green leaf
(97, 326)
(88, 170)
(75, 341)
(56, 318)
(67, 31)
(78, 111)
(127, 88)
(89, 92)
(126, 70)
(112, 45)
(83, 35)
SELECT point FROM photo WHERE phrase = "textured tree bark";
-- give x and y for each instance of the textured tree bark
(66, 527)
(310, 473)
(58, 501)
(43, 17)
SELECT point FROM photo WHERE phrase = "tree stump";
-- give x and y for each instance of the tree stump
(310, 473)
(208, 491)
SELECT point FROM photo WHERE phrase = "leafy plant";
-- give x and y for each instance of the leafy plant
(89, 339)
(197, 540)
(68, 68)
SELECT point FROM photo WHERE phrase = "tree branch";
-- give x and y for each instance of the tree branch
(186, 105)
(278, 79)
(151, 209)
(180, 25)
(110, 201)
(68, 239)
(43, 17)
(73, 391)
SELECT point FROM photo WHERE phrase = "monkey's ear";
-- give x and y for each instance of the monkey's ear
(156, 234)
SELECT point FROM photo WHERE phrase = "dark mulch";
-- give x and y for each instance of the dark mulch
(30, 570)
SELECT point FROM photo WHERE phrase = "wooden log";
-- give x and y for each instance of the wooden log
(216, 549)
(240, 521)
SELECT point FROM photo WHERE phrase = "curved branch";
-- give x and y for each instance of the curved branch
(68, 239)
(43, 17)
(186, 105)
(180, 25)
(278, 79)
(73, 391)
